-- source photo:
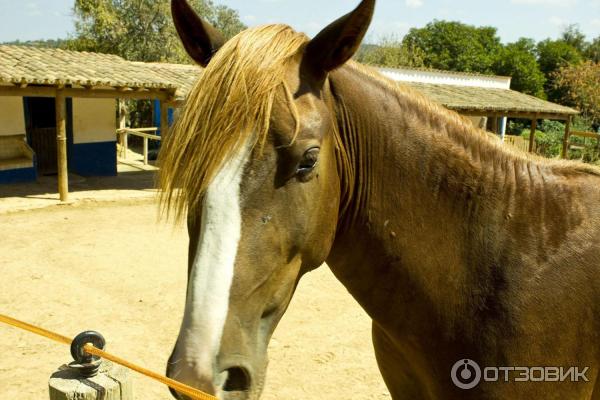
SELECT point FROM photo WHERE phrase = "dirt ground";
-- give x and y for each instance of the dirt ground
(113, 268)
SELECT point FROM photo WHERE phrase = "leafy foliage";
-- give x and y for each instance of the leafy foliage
(47, 43)
(518, 61)
(592, 50)
(455, 46)
(549, 140)
(141, 30)
(552, 56)
(574, 37)
(581, 85)
(516, 126)
(391, 52)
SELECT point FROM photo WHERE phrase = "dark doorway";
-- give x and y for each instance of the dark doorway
(40, 120)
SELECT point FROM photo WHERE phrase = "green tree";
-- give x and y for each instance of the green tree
(518, 61)
(592, 50)
(574, 37)
(581, 85)
(552, 56)
(390, 52)
(141, 30)
(455, 46)
(47, 43)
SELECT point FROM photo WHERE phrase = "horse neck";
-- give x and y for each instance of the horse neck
(417, 178)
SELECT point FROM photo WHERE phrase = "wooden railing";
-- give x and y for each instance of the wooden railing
(584, 135)
(517, 141)
(145, 133)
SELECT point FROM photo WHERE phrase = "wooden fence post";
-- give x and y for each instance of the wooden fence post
(125, 135)
(532, 134)
(61, 145)
(145, 151)
(565, 148)
(112, 383)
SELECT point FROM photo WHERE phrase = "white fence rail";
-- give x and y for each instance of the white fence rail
(145, 133)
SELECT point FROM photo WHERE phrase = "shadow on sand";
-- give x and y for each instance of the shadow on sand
(46, 186)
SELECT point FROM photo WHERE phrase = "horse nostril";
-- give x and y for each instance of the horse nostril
(238, 380)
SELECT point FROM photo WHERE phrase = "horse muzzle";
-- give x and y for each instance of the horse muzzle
(233, 382)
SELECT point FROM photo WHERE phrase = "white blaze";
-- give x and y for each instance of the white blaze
(212, 272)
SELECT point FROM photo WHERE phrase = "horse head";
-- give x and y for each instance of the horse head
(255, 156)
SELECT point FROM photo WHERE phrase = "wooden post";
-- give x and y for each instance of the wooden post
(61, 145)
(532, 133)
(495, 124)
(122, 125)
(125, 144)
(164, 119)
(111, 383)
(122, 114)
(145, 150)
(565, 149)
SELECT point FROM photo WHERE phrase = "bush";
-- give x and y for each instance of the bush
(516, 126)
(590, 153)
(549, 140)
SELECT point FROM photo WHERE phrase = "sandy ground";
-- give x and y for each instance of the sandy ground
(112, 267)
(134, 181)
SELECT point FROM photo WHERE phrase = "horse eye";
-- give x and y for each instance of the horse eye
(308, 161)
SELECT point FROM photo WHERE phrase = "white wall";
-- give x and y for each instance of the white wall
(446, 78)
(12, 116)
(94, 120)
(477, 121)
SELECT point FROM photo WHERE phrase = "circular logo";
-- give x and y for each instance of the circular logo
(465, 374)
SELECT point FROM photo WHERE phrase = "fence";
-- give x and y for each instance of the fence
(517, 141)
(86, 379)
(585, 136)
(124, 133)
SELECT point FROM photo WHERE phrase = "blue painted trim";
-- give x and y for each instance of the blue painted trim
(94, 159)
(156, 115)
(170, 116)
(18, 175)
(156, 118)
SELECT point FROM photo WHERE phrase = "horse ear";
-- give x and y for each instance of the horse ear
(338, 42)
(200, 39)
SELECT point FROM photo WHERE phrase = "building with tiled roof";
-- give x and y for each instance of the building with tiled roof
(58, 107)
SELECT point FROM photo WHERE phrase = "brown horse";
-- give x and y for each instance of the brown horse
(473, 260)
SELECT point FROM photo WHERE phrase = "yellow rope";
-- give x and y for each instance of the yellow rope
(89, 348)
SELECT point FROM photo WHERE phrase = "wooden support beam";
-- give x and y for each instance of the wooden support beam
(565, 149)
(139, 132)
(50, 91)
(592, 135)
(495, 124)
(61, 145)
(532, 134)
(513, 114)
(122, 114)
(164, 119)
(122, 125)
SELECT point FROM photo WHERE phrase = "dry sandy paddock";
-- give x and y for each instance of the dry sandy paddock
(111, 267)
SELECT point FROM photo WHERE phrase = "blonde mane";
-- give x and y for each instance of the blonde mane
(229, 105)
